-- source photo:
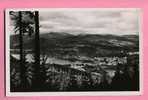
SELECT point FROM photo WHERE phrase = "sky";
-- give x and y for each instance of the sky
(90, 21)
(116, 21)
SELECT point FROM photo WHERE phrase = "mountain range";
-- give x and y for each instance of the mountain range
(63, 44)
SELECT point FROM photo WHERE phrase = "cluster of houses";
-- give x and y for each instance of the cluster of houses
(110, 60)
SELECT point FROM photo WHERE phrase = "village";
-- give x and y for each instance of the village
(91, 70)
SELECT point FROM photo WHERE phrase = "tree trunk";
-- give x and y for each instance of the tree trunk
(37, 82)
(22, 60)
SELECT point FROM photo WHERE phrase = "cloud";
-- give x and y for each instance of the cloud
(92, 21)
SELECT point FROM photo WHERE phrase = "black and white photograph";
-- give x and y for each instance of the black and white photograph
(73, 51)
